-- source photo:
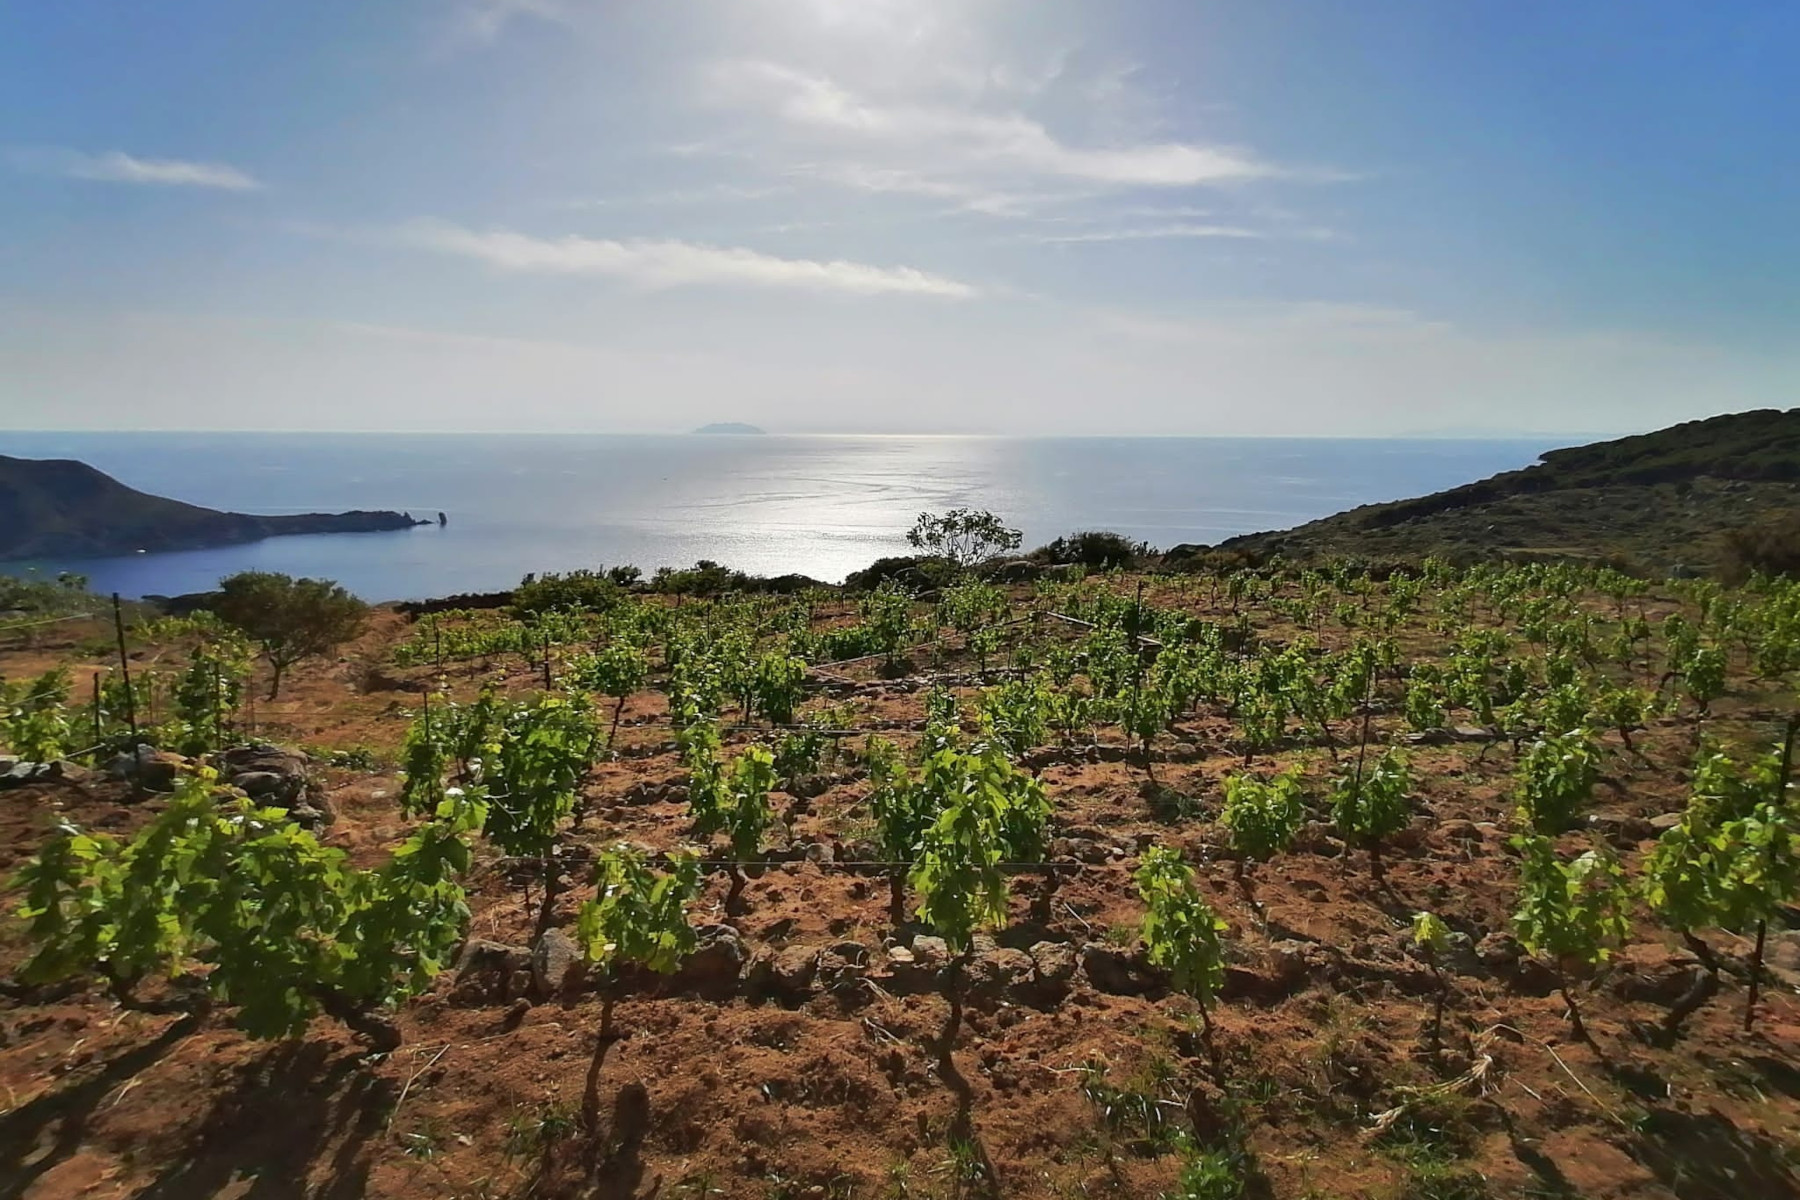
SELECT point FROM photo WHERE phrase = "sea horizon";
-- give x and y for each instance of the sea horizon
(820, 505)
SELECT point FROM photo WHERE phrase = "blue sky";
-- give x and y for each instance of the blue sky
(1166, 216)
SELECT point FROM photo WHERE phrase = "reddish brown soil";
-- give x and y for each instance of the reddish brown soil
(841, 1096)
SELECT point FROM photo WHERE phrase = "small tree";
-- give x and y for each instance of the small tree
(291, 619)
(637, 917)
(962, 537)
(1571, 914)
(1181, 931)
(577, 591)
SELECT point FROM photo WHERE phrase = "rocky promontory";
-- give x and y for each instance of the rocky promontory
(59, 508)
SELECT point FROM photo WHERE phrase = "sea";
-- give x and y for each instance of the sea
(819, 505)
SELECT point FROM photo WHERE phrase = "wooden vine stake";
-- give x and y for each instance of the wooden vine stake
(125, 671)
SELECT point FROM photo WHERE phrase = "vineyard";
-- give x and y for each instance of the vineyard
(1435, 884)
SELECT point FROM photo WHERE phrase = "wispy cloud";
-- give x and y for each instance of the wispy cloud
(963, 194)
(1150, 233)
(118, 167)
(669, 264)
(1008, 138)
(710, 194)
(1325, 321)
(484, 20)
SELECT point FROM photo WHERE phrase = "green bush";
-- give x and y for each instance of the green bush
(573, 591)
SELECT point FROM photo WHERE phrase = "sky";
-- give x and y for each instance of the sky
(1288, 217)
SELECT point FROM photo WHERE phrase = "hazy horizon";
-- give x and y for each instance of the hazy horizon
(1403, 436)
(973, 217)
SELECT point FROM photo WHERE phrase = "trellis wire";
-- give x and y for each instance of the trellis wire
(12, 625)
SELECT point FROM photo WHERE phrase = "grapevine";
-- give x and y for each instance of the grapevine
(251, 911)
(1180, 930)
(1572, 914)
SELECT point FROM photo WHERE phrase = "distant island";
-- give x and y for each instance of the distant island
(1685, 497)
(59, 508)
(730, 427)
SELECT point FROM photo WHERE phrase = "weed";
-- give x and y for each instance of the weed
(1169, 806)
(1210, 1175)
(352, 758)
(534, 1132)
(425, 1143)
(1143, 1112)
(1438, 1125)
(698, 1186)
(1432, 1179)
(1427, 1140)
(968, 1167)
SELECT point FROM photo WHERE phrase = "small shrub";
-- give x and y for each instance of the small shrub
(1096, 549)
(1765, 548)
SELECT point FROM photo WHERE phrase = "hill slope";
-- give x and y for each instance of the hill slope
(1663, 500)
(58, 508)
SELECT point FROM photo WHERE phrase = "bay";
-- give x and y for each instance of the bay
(819, 505)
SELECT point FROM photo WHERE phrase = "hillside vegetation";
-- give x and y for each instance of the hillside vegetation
(58, 508)
(1673, 499)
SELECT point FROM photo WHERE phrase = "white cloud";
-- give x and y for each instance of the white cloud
(1009, 138)
(668, 263)
(118, 167)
